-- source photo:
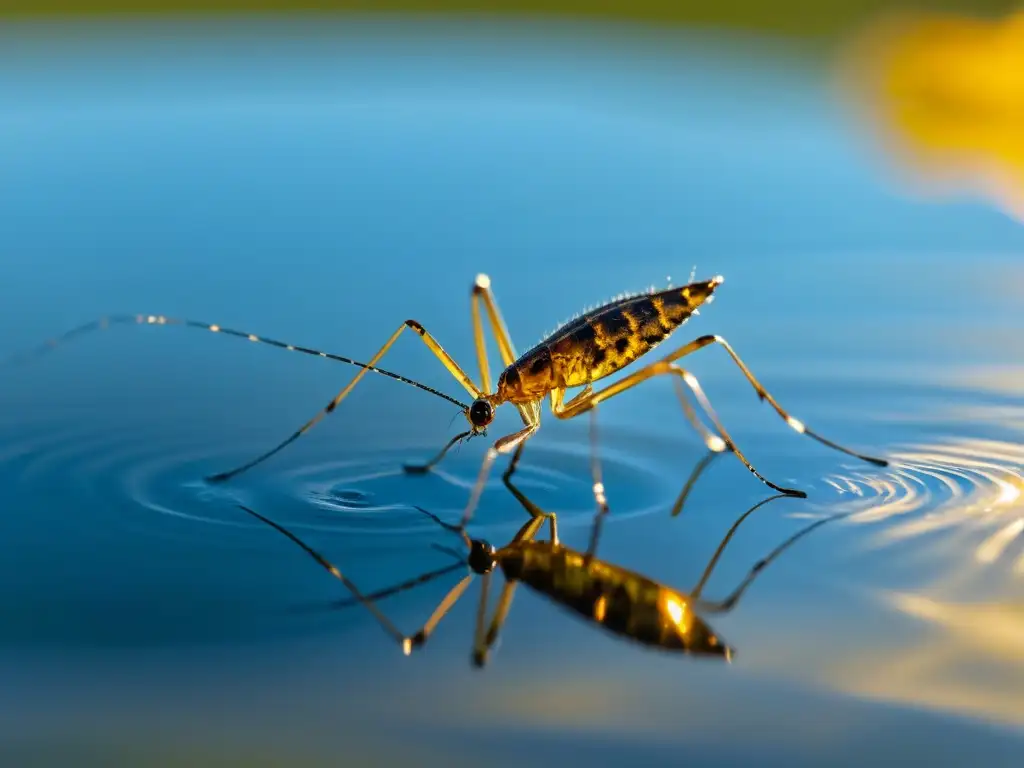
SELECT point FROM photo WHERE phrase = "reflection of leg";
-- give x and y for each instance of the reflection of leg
(418, 639)
(721, 606)
(504, 445)
(692, 481)
(333, 570)
(579, 405)
(407, 642)
(481, 614)
(482, 649)
(599, 494)
(533, 509)
(408, 584)
(711, 440)
(444, 357)
(512, 465)
(530, 414)
(695, 594)
(762, 393)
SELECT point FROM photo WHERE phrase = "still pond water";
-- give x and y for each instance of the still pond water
(319, 182)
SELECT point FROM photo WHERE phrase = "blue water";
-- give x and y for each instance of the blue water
(319, 182)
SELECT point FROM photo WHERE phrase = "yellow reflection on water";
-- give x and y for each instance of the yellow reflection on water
(956, 508)
(946, 94)
(968, 659)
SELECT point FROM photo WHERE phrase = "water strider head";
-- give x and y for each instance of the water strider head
(480, 414)
(481, 557)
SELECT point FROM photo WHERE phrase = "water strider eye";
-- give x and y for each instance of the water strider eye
(481, 413)
(481, 556)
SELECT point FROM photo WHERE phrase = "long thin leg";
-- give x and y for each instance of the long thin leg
(711, 440)
(714, 443)
(480, 342)
(407, 642)
(721, 606)
(530, 414)
(504, 445)
(444, 357)
(422, 468)
(763, 394)
(482, 290)
(577, 406)
(513, 464)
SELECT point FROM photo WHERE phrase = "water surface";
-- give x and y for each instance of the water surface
(321, 182)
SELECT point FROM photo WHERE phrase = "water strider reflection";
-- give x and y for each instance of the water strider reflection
(621, 601)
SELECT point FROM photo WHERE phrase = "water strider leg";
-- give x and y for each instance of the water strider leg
(714, 443)
(446, 360)
(504, 445)
(481, 292)
(711, 440)
(418, 469)
(577, 406)
(762, 393)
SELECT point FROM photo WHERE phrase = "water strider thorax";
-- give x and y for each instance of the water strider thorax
(601, 342)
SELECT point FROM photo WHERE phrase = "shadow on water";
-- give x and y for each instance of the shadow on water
(145, 614)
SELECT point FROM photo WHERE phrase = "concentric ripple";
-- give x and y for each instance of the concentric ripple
(349, 494)
(957, 489)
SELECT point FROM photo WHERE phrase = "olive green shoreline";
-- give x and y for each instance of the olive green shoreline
(810, 18)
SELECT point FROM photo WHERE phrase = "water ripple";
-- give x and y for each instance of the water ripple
(960, 487)
(367, 494)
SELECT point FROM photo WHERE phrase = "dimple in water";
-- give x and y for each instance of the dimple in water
(579, 353)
